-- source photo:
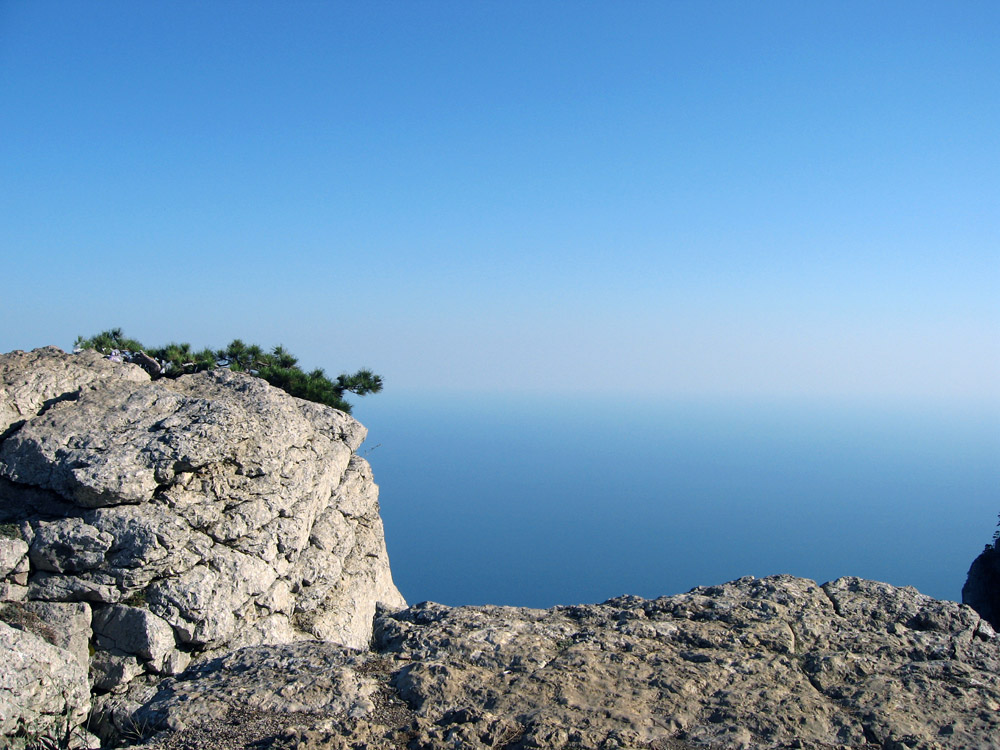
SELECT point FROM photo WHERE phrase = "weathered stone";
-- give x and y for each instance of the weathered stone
(773, 663)
(31, 382)
(351, 529)
(22, 503)
(750, 663)
(12, 555)
(198, 510)
(11, 592)
(68, 546)
(199, 494)
(43, 689)
(202, 603)
(112, 717)
(21, 571)
(81, 739)
(309, 677)
(94, 587)
(70, 625)
(133, 630)
(175, 662)
(278, 598)
(148, 541)
(14, 568)
(266, 630)
(112, 672)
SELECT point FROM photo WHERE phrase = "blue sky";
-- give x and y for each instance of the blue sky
(678, 199)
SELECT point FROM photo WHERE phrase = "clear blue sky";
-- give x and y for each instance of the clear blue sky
(746, 199)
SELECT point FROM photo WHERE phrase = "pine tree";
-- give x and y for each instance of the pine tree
(278, 367)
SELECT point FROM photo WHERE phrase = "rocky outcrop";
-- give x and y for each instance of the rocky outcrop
(198, 563)
(982, 585)
(43, 689)
(778, 662)
(163, 521)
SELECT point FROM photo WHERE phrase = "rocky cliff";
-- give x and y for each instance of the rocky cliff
(146, 523)
(199, 563)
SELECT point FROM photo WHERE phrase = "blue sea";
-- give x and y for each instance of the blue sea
(536, 501)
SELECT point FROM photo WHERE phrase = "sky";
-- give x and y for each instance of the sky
(629, 199)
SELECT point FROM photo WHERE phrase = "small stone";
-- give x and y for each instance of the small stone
(133, 630)
(112, 672)
(12, 555)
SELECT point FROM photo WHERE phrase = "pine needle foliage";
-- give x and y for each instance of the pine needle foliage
(278, 366)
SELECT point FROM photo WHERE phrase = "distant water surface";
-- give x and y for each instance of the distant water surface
(538, 502)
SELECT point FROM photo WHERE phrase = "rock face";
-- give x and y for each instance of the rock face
(777, 662)
(184, 517)
(43, 689)
(982, 586)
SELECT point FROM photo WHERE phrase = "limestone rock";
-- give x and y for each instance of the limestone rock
(20, 502)
(136, 631)
(111, 671)
(90, 587)
(43, 689)
(778, 662)
(313, 678)
(68, 546)
(194, 515)
(14, 567)
(31, 382)
(12, 554)
(344, 561)
(199, 494)
(69, 624)
(11, 592)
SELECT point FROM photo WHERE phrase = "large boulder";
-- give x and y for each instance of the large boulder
(192, 516)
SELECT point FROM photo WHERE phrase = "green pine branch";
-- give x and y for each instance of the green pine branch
(278, 367)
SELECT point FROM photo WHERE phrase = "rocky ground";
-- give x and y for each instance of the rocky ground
(778, 662)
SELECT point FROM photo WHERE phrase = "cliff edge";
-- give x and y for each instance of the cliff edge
(982, 585)
(149, 523)
(200, 563)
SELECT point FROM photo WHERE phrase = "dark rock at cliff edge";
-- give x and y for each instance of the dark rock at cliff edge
(982, 586)
(199, 564)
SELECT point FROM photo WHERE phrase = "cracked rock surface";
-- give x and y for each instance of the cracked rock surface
(778, 662)
(187, 517)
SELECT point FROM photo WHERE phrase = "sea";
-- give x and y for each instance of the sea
(537, 501)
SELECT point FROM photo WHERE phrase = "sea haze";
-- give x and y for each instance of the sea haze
(538, 502)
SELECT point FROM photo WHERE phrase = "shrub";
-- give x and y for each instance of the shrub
(278, 367)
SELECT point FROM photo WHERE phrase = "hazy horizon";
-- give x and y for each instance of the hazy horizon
(537, 502)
